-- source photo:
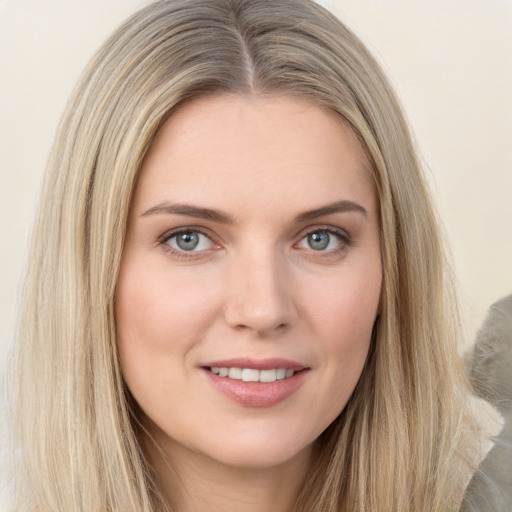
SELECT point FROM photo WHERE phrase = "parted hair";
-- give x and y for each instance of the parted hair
(399, 443)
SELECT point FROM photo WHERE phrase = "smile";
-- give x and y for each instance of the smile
(256, 383)
(252, 374)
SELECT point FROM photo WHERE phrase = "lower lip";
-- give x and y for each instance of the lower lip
(258, 394)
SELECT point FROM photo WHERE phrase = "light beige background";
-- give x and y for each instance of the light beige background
(450, 60)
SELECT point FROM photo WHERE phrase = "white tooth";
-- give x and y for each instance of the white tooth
(235, 373)
(250, 375)
(289, 373)
(215, 370)
(223, 372)
(268, 375)
(280, 373)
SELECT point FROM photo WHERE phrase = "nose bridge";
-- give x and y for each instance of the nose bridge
(260, 294)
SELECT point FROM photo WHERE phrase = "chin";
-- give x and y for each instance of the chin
(263, 458)
(260, 451)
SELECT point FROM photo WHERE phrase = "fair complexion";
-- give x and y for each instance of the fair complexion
(252, 245)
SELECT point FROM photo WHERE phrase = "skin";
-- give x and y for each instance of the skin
(253, 287)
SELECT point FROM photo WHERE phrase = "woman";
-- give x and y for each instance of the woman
(237, 294)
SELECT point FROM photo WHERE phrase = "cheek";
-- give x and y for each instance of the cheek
(160, 317)
(344, 317)
(156, 327)
(158, 309)
(140, 324)
(347, 304)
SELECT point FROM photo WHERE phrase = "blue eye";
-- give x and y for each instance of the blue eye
(322, 240)
(189, 241)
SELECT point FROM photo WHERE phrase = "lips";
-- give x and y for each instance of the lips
(256, 383)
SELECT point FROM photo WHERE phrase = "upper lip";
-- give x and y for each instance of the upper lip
(256, 364)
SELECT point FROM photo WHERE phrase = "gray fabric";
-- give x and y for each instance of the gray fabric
(490, 369)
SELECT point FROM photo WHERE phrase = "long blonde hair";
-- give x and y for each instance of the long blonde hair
(397, 445)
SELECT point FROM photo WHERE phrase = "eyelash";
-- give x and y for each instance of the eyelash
(164, 239)
(345, 240)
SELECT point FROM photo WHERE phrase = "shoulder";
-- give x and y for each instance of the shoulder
(490, 370)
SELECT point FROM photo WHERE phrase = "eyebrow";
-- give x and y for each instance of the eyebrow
(337, 207)
(225, 218)
(191, 211)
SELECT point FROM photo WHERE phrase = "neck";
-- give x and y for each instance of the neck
(191, 482)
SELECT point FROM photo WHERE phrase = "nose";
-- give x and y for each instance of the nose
(260, 295)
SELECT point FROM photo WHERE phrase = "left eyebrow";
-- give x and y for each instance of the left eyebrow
(337, 207)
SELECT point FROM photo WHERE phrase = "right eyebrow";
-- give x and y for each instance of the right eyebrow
(190, 211)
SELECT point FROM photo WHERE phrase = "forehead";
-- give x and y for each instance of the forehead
(277, 148)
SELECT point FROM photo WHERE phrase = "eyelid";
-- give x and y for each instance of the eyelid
(345, 238)
(164, 238)
(183, 229)
(342, 233)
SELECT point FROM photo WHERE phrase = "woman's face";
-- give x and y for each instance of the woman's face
(252, 250)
